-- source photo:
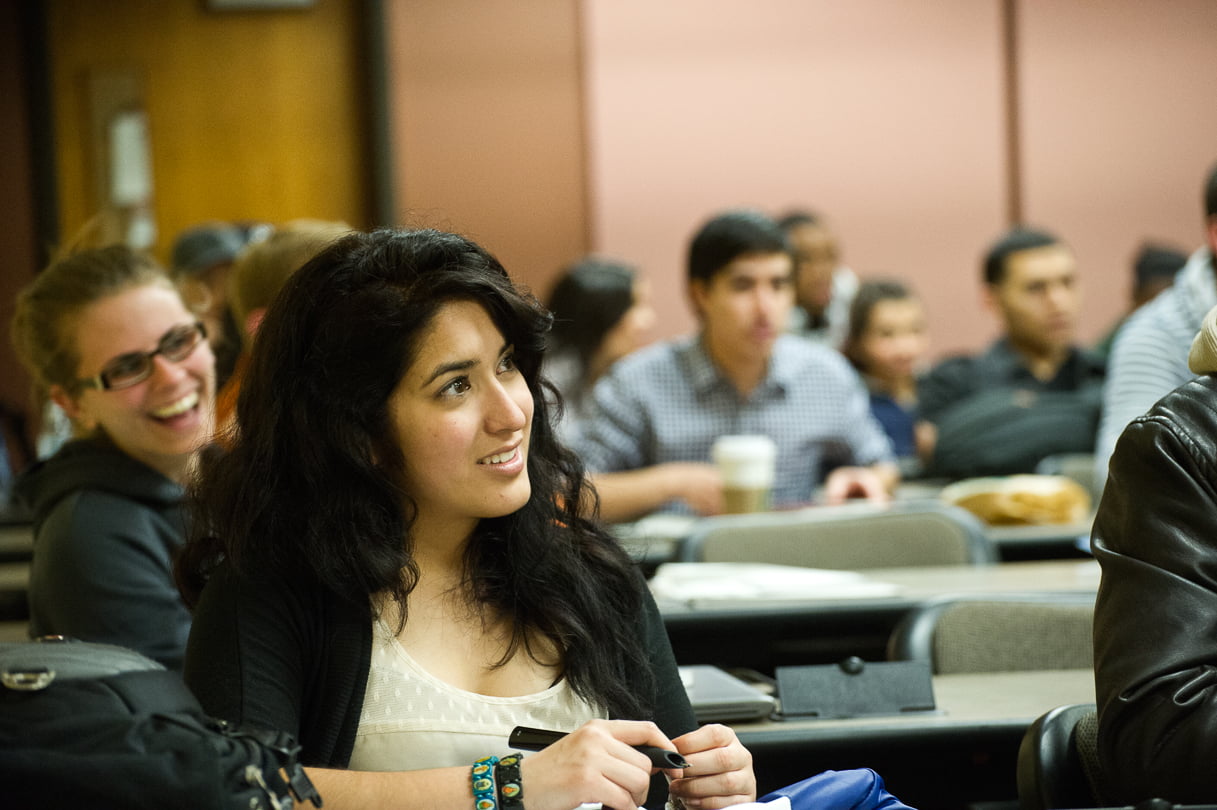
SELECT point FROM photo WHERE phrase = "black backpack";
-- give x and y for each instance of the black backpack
(1006, 431)
(98, 726)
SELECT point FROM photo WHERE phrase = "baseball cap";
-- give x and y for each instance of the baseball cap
(204, 246)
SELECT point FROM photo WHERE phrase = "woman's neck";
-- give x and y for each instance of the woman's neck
(178, 467)
(901, 389)
(438, 548)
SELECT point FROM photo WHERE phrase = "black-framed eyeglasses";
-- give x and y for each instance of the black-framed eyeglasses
(131, 368)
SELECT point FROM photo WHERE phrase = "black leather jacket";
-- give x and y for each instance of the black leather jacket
(1156, 618)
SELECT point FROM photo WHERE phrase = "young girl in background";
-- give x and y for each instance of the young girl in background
(886, 342)
(602, 312)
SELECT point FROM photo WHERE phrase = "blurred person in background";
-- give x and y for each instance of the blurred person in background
(1034, 392)
(202, 258)
(657, 413)
(1149, 355)
(602, 312)
(887, 343)
(107, 334)
(256, 277)
(1153, 271)
(823, 286)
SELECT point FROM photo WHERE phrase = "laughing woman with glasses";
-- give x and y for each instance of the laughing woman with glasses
(105, 333)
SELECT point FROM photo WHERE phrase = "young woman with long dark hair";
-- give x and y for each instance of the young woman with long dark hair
(396, 562)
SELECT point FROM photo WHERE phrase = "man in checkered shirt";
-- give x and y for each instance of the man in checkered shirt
(657, 412)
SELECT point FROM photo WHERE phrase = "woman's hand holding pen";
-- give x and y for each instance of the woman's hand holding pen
(720, 772)
(595, 763)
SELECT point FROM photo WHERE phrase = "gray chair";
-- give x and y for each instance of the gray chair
(849, 537)
(1000, 633)
(1058, 760)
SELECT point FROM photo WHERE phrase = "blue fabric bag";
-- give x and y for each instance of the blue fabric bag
(857, 789)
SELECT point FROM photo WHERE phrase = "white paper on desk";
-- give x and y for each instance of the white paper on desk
(780, 803)
(700, 582)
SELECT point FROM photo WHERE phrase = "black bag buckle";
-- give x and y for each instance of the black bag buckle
(27, 680)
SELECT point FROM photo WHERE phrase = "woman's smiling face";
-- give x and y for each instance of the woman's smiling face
(165, 418)
(462, 415)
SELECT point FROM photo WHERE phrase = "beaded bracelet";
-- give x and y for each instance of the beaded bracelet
(482, 777)
(507, 774)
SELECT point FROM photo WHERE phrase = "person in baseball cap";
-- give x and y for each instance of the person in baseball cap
(202, 258)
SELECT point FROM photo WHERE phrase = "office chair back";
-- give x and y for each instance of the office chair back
(1058, 760)
(850, 537)
(1006, 633)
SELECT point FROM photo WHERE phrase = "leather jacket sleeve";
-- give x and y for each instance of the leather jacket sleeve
(1155, 537)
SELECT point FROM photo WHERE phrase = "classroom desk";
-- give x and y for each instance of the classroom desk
(1042, 542)
(762, 634)
(962, 753)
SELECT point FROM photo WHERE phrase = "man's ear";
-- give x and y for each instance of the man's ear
(697, 292)
(989, 299)
(1211, 232)
(79, 416)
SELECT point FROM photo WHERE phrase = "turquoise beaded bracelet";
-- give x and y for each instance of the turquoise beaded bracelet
(482, 778)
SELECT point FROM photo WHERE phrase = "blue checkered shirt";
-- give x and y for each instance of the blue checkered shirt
(668, 402)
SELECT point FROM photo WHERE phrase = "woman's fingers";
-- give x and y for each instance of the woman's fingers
(720, 772)
(594, 763)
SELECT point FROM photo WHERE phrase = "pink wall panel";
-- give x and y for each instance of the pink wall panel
(487, 126)
(1119, 130)
(886, 117)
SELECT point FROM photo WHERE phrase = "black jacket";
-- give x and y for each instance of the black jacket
(106, 528)
(1156, 616)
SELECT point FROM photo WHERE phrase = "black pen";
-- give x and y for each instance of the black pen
(534, 739)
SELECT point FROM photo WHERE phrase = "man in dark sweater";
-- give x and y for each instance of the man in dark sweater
(1033, 393)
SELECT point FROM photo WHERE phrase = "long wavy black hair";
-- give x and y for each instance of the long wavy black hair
(312, 482)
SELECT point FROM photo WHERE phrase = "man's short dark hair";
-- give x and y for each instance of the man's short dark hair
(1015, 240)
(1156, 262)
(1210, 193)
(797, 217)
(730, 235)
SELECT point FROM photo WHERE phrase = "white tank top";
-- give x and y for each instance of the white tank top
(412, 720)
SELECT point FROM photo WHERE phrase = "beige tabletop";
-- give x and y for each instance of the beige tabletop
(912, 585)
(1071, 576)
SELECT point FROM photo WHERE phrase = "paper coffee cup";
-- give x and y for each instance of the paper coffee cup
(746, 464)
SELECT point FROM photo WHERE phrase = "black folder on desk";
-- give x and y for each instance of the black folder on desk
(720, 697)
(855, 688)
